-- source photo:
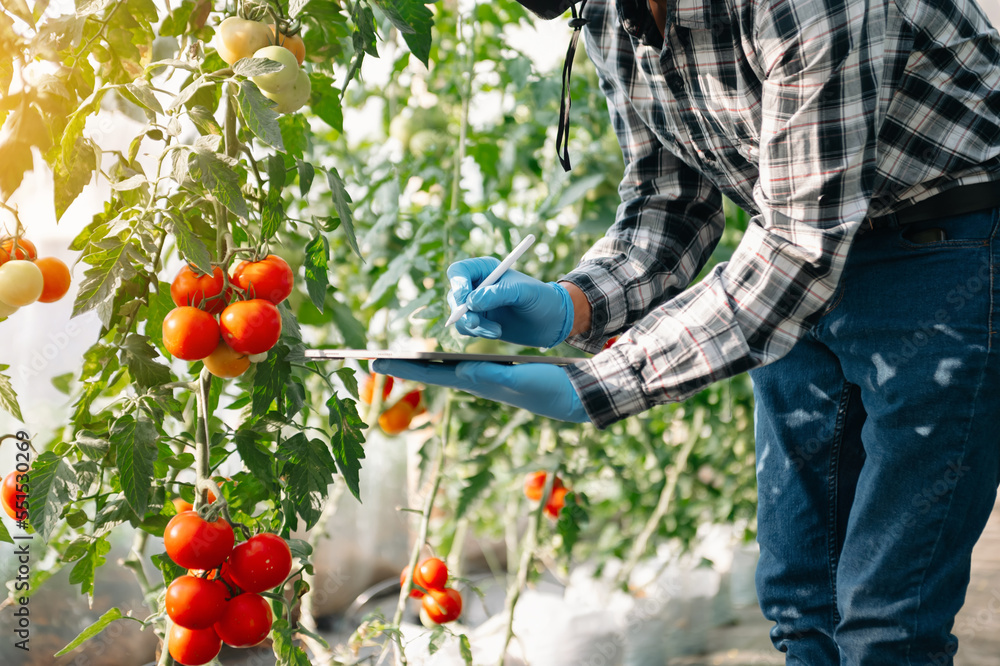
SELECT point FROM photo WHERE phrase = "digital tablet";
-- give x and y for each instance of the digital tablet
(434, 356)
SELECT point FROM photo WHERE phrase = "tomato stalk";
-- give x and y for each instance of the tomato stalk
(425, 522)
(672, 474)
(528, 545)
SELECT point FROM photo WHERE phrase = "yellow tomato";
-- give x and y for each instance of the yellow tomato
(238, 38)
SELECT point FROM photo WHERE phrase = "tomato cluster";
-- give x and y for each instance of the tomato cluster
(26, 279)
(244, 328)
(218, 601)
(397, 417)
(289, 87)
(440, 603)
(534, 485)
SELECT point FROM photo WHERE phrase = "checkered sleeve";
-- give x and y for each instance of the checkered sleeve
(817, 160)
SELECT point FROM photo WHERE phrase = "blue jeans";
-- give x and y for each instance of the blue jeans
(878, 451)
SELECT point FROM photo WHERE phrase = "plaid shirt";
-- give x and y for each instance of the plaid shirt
(810, 115)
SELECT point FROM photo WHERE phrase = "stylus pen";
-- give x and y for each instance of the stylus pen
(457, 313)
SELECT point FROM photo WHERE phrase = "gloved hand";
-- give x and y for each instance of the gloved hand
(516, 308)
(541, 388)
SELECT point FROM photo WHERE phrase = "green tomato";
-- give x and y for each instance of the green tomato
(292, 99)
(276, 82)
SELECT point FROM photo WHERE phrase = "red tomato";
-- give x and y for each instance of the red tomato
(11, 498)
(416, 592)
(250, 327)
(193, 647)
(246, 620)
(270, 278)
(56, 277)
(534, 484)
(396, 419)
(196, 603)
(368, 389)
(432, 574)
(612, 340)
(413, 399)
(443, 605)
(194, 543)
(261, 562)
(556, 502)
(189, 333)
(199, 290)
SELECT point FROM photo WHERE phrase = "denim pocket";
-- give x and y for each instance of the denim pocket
(966, 230)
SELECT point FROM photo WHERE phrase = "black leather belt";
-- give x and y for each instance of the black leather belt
(956, 201)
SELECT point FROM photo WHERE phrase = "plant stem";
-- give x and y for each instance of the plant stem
(672, 473)
(425, 521)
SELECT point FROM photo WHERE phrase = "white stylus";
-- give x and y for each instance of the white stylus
(457, 313)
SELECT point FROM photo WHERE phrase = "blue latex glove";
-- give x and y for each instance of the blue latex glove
(541, 388)
(516, 308)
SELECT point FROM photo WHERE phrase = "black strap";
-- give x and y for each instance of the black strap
(562, 133)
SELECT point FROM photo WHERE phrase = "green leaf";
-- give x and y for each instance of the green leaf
(571, 518)
(257, 459)
(93, 447)
(309, 468)
(354, 332)
(100, 283)
(346, 442)
(168, 569)
(258, 115)
(349, 379)
(272, 215)
(268, 382)
(83, 570)
(94, 629)
(135, 443)
(220, 179)
(5, 536)
(473, 488)
(71, 173)
(414, 22)
(325, 101)
(317, 270)
(276, 173)
(253, 66)
(8, 398)
(341, 201)
(286, 651)
(465, 648)
(140, 356)
(142, 94)
(53, 485)
(306, 174)
(192, 248)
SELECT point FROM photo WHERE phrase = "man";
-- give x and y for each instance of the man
(864, 136)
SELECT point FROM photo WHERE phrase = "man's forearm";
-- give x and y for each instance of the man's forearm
(581, 309)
